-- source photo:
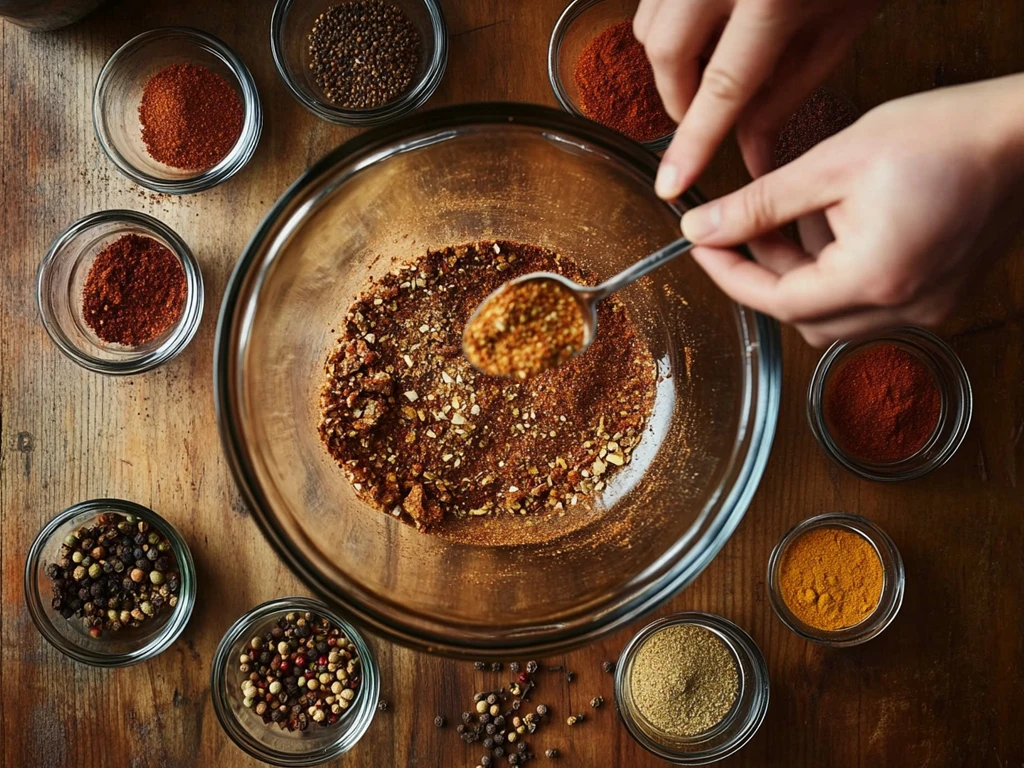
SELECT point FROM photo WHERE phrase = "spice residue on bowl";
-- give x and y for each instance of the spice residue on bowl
(616, 87)
(684, 680)
(524, 329)
(363, 54)
(135, 290)
(882, 404)
(302, 671)
(191, 117)
(831, 578)
(117, 572)
(424, 436)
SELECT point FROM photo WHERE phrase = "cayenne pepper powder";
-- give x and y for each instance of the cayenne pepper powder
(882, 405)
(135, 290)
(824, 114)
(191, 117)
(616, 85)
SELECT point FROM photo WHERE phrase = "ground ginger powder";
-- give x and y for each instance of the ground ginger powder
(831, 578)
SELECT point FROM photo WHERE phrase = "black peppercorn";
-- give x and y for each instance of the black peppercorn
(488, 743)
(490, 729)
(608, 666)
(531, 667)
(439, 721)
(552, 753)
(498, 752)
(466, 717)
(479, 665)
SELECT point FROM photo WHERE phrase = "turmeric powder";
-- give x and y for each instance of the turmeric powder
(831, 578)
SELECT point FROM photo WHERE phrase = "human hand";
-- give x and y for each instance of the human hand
(920, 195)
(770, 56)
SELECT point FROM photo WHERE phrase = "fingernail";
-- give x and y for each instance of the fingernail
(700, 223)
(666, 184)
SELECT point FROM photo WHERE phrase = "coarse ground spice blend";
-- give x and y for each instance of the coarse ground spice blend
(882, 405)
(831, 578)
(616, 86)
(824, 114)
(424, 436)
(191, 117)
(134, 292)
(525, 329)
(684, 680)
(364, 54)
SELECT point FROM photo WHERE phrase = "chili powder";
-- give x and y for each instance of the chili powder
(616, 85)
(191, 117)
(824, 114)
(882, 405)
(135, 290)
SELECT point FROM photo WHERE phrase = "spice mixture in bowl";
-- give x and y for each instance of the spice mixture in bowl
(692, 688)
(836, 579)
(109, 583)
(293, 684)
(120, 293)
(894, 406)
(177, 111)
(360, 62)
(598, 70)
(668, 420)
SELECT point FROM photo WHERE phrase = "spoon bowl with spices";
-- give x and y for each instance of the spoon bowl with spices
(538, 321)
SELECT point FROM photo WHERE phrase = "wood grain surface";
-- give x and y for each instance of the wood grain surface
(941, 687)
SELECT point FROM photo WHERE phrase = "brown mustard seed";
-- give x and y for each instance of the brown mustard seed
(524, 329)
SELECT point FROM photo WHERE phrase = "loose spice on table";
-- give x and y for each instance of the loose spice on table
(113, 573)
(824, 114)
(882, 404)
(524, 329)
(364, 54)
(422, 435)
(135, 290)
(303, 670)
(684, 680)
(191, 117)
(616, 87)
(831, 578)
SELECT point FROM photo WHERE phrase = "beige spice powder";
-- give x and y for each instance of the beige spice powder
(684, 680)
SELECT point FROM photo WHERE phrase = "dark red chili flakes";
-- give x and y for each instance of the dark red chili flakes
(824, 114)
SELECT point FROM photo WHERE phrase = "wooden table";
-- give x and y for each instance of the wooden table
(942, 686)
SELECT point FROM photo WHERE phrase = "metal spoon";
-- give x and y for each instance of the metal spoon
(588, 297)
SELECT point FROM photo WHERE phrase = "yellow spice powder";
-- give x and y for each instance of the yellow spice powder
(831, 578)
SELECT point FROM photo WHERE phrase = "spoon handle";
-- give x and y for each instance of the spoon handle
(636, 271)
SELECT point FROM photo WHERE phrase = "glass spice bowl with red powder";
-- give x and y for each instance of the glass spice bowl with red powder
(598, 70)
(893, 406)
(177, 111)
(120, 293)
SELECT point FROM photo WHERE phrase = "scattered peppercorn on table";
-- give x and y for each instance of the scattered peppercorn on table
(938, 687)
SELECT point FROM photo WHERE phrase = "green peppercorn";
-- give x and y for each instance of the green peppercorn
(95, 571)
(156, 578)
(77, 556)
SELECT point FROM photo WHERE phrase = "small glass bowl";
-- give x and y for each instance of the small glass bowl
(289, 29)
(69, 636)
(892, 585)
(954, 416)
(115, 107)
(62, 275)
(269, 743)
(735, 730)
(579, 23)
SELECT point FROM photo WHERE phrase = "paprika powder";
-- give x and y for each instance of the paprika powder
(882, 405)
(616, 85)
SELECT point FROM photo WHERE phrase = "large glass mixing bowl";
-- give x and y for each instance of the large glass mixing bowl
(470, 173)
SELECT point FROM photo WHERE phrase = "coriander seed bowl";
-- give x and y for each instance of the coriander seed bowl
(118, 94)
(59, 294)
(129, 645)
(267, 741)
(954, 419)
(290, 27)
(579, 23)
(730, 734)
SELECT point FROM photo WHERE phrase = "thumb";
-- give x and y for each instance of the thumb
(807, 184)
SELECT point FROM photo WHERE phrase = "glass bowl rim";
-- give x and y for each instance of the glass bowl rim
(568, 17)
(739, 642)
(366, 700)
(883, 615)
(926, 343)
(244, 147)
(180, 614)
(173, 345)
(416, 96)
(757, 431)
